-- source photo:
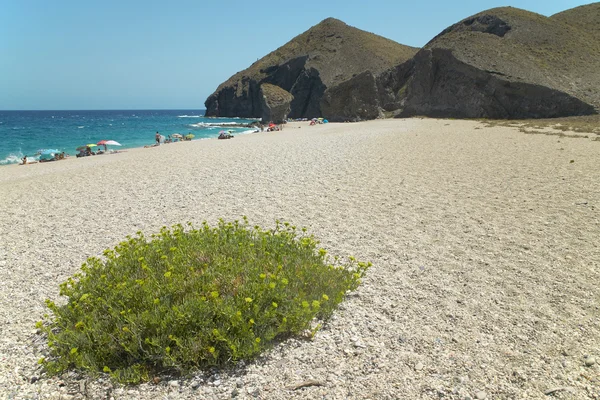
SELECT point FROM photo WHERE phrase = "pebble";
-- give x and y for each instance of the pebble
(419, 366)
(174, 383)
(252, 391)
(589, 361)
(481, 395)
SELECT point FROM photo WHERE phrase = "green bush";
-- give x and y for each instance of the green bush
(192, 298)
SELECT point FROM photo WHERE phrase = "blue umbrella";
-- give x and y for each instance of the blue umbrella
(48, 154)
(49, 151)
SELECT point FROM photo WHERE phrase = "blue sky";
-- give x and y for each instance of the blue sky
(131, 54)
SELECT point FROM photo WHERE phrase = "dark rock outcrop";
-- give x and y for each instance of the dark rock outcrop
(275, 103)
(353, 100)
(483, 23)
(439, 85)
(318, 60)
(501, 63)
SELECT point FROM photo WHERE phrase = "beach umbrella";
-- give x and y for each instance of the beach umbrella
(112, 143)
(49, 151)
(101, 143)
(190, 136)
(177, 135)
(91, 145)
(222, 132)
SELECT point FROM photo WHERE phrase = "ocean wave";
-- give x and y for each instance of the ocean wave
(15, 159)
(247, 132)
(248, 118)
(209, 124)
(81, 127)
(190, 116)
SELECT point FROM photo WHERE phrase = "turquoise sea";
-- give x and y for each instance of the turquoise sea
(27, 132)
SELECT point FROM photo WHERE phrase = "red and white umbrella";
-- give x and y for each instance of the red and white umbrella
(108, 143)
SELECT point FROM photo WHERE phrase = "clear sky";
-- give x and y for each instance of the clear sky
(133, 54)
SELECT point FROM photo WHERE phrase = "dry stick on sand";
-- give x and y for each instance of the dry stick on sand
(308, 383)
(558, 389)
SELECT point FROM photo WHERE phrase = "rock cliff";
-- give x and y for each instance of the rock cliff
(501, 63)
(275, 103)
(312, 63)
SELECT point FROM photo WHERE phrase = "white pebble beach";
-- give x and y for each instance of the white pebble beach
(484, 243)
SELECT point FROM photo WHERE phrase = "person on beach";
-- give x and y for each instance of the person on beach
(157, 138)
(24, 159)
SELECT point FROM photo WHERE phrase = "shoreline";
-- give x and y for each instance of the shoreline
(126, 149)
(482, 239)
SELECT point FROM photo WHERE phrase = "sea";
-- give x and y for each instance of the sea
(28, 133)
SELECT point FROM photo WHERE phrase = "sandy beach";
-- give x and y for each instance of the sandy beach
(484, 244)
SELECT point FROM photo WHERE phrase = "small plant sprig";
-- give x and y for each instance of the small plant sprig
(192, 298)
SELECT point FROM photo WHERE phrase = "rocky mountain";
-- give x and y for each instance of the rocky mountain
(500, 63)
(307, 67)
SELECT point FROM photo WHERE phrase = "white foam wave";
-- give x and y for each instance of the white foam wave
(16, 158)
(247, 132)
(11, 159)
(209, 124)
(189, 116)
(81, 127)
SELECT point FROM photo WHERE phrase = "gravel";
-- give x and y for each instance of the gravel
(485, 261)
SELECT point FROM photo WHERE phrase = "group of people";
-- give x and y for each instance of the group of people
(225, 135)
(55, 157)
(158, 138)
(87, 151)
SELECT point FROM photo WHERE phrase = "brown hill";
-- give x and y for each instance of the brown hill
(306, 67)
(501, 63)
(585, 18)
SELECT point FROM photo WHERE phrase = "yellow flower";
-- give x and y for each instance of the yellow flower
(248, 299)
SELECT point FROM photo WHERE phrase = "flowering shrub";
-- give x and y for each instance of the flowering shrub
(191, 298)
